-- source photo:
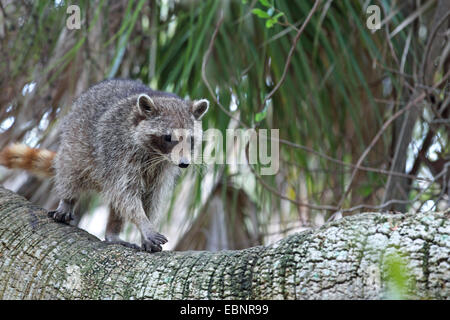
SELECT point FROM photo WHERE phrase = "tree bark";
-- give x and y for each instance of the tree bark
(351, 258)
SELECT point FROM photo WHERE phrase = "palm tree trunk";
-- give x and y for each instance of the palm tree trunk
(352, 258)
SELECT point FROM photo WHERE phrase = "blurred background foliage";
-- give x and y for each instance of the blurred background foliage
(374, 100)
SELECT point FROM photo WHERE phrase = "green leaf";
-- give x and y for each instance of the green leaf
(260, 13)
(265, 3)
(278, 15)
(270, 23)
(260, 116)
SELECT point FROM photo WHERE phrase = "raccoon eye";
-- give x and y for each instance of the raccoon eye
(167, 138)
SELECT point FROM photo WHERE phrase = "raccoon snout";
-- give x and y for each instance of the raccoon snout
(184, 163)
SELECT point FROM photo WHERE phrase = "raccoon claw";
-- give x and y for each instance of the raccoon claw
(153, 242)
(151, 247)
(60, 216)
(124, 243)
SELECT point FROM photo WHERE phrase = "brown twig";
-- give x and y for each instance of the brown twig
(340, 162)
(281, 196)
(422, 153)
(3, 10)
(205, 62)
(424, 65)
(290, 54)
(394, 201)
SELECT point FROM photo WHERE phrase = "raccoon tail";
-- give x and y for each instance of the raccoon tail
(37, 161)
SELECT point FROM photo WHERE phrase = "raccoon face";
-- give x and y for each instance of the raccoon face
(169, 127)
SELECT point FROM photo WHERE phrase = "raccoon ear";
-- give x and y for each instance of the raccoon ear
(199, 108)
(145, 104)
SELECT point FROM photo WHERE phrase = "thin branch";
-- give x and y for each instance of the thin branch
(423, 151)
(3, 11)
(281, 196)
(351, 165)
(394, 201)
(424, 64)
(411, 18)
(290, 54)
(205, 62)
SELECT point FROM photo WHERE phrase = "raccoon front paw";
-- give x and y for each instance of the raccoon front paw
(61, 216)
(153, 242)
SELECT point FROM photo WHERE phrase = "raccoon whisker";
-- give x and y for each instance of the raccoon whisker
(166, 157)
(150, 161)
(153, 163)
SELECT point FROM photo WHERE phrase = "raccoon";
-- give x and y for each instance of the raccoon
(117, 140)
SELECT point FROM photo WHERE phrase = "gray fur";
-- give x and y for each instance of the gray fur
(109, 144)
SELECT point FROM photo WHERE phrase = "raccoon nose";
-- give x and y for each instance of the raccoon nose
(184, 163)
